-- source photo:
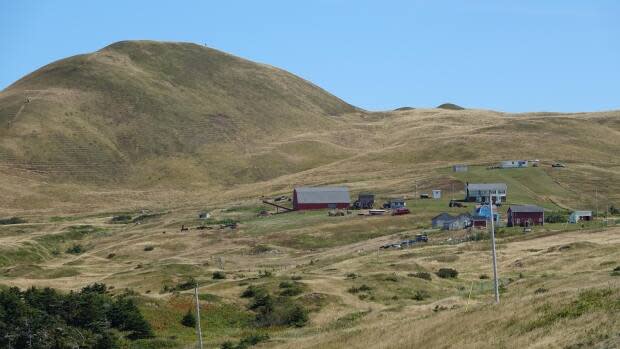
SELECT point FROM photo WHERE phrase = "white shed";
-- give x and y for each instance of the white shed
(436, 194)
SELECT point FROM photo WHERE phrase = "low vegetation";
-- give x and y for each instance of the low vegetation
(12, 220)
(45, 318)
(447, 273)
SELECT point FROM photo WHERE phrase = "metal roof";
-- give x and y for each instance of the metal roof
(487, 186)
(322, 195)
(582, 213)
(526, 208)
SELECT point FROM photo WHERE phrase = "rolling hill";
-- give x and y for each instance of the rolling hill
(142, 123)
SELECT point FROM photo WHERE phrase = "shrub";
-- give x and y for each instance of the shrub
(556, 217)
(613, 209)
(362, 288)
(540, 290)
(245, 342)
(447, 273)
(12, 220)
(186, 285)
(351, 276)
(616, 271)
(421, 275)
(421, 295)
(291, 288)
(264, 274)
(75, 249)
(149, 248)
(111, 255)
(282, 313)
(121, 219)
(483, 276)
(188, 320)
(296, 277)
(253, 291)
(218, 275)
(392, 278)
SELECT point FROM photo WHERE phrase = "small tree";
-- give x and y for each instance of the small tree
(447, 273)
(188, 320)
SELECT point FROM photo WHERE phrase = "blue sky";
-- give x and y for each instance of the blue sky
(527, 55)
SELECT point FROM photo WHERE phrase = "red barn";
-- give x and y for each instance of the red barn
(525, 215)
(306, 198)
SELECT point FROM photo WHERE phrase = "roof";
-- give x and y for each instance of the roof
(582, 213)
(322, 195)
(479, 218)
(443, 216)
(397, 200)
(487, 186)
(526, 208)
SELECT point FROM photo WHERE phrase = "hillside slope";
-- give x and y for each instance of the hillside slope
(162, 125)
(100, 116)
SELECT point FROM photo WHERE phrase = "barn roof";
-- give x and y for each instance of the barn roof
(322, 195)
(526, 208)
(443, 216)
(487, 186)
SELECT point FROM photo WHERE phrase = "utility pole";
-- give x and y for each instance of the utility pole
(495, 281)
(596, 200)
(198, 329)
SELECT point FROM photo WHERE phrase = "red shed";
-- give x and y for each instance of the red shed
(479, 222)
(306, 198)
(525, 215)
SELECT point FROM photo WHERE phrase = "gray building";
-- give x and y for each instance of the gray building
(459, 168)
(513, 164)
(480, 192)
(446, 221)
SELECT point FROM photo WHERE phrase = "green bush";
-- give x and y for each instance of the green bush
(447, 273)
(421, 275)
(218, 275)
(296, 277)
(392, 278)
(363, 288)
(75, 249)
(253, 291)
(291, 289)
(616, 271)
(91, 317)
(483, 276)
(280, 311)
(188, 320)
(245, 342)
(121, 219)
(149, 248)
(556, 217)
(12, 220)
(421, 295)
(264, 274)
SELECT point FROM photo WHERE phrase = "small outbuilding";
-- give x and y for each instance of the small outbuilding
(446, 221)
(525, 215)
(436, 194)
(513, 164)
(397, 203)
(479, 222)
(316, 198)
(365, 201)
(579, 216)
(459, 168)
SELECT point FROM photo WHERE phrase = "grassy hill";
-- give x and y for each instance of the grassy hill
(142, 123)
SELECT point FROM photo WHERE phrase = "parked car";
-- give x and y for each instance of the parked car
(400, 211)
(421, 238)
(454, 203)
